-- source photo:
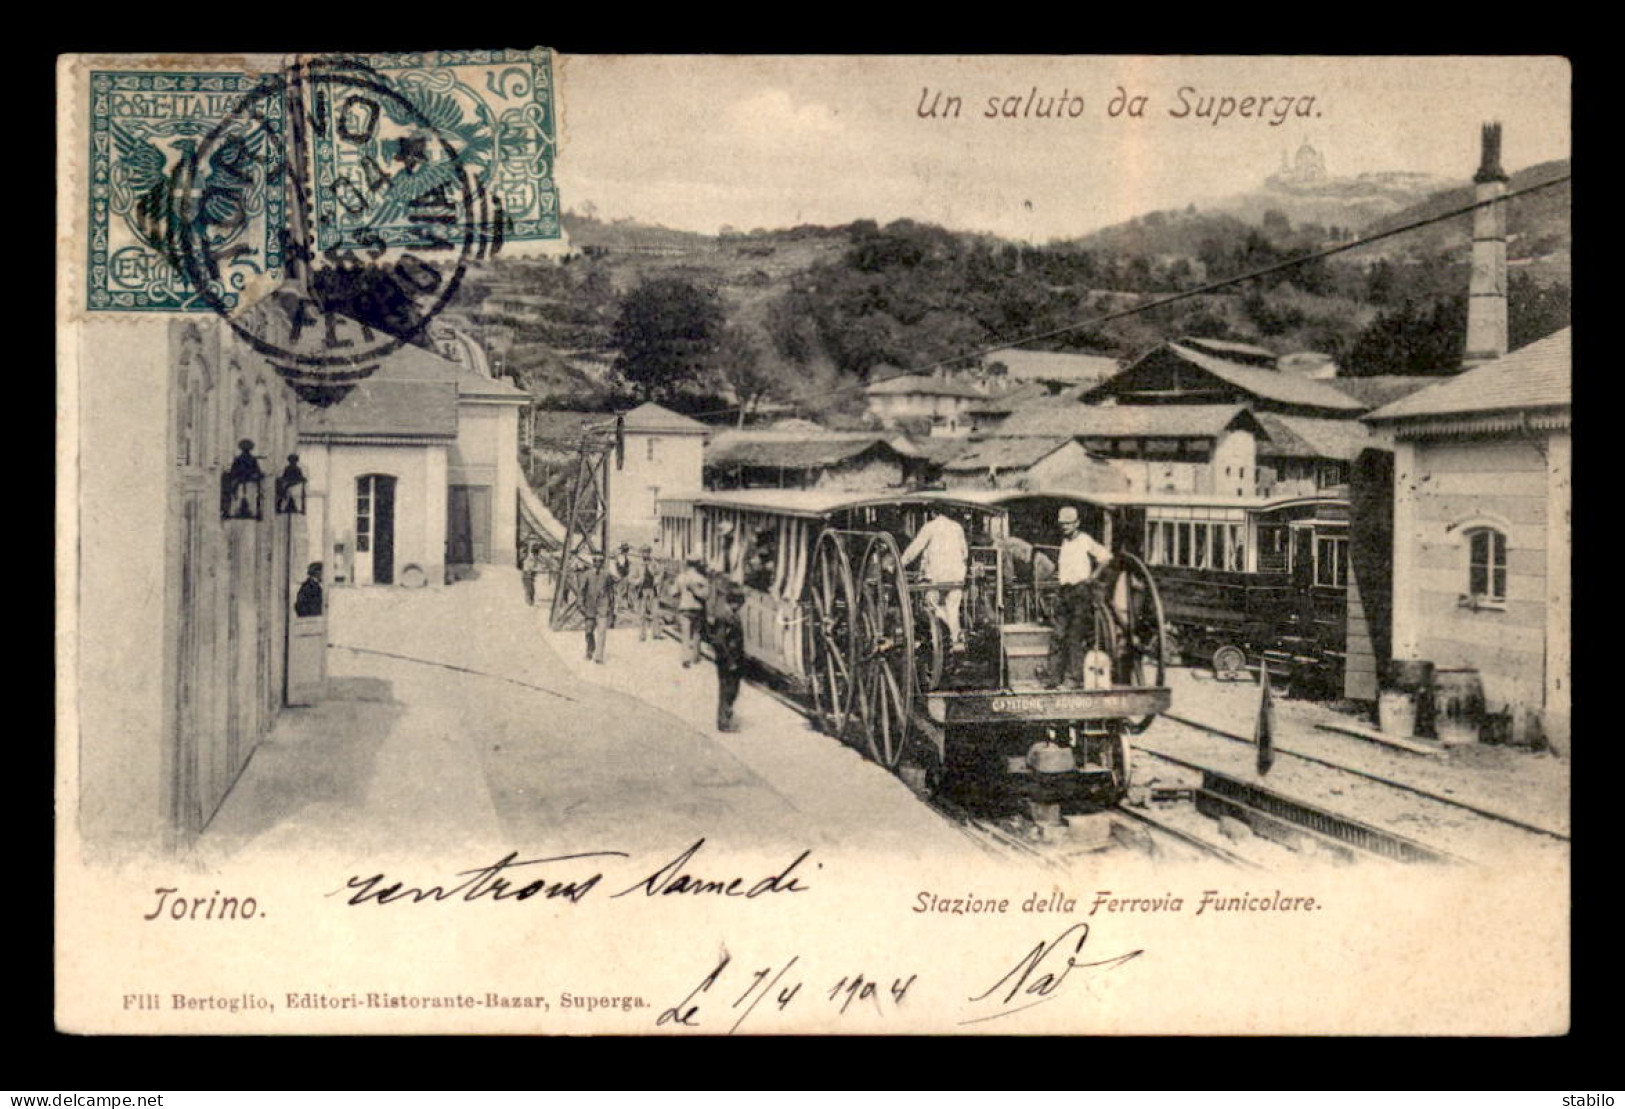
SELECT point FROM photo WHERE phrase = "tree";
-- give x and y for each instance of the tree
(668, 332)
(740, 364)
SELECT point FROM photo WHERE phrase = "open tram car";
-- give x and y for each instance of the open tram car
(831, 609)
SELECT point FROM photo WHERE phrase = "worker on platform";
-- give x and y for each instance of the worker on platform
(727, 635)
(1081, 558)
(597, 602)
(692, 590)
(646, 593)
(621, 566)
(941, 542)
(529, 566)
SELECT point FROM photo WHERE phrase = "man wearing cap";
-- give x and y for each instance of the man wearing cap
(597, 601)
(646, 592)
(727, 636)
(942, 544)
(1081, 558)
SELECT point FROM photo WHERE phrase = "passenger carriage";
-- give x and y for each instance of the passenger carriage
(1247, 581)
(830, 608)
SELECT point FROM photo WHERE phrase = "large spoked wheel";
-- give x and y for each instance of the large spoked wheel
(884, 659)
(1130, 611)
(830, 629)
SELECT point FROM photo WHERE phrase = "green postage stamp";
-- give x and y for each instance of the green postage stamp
(254, 161)
(145, 131)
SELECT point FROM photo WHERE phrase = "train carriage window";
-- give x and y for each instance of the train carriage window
(1331, 561)
(1199, 546)
(1487, 564)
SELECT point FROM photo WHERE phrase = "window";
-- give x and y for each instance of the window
(1486, 564)
(651, 448)
(363, 514)
(1331, 561)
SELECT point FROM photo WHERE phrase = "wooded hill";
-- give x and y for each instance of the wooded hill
(806, 314)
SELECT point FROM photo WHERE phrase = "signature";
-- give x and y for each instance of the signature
(1038, 975)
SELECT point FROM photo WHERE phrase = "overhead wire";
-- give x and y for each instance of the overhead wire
(1164, 301)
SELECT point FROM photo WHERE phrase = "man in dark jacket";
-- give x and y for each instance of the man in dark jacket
(728, 641)
(597, 602)
(309, 600)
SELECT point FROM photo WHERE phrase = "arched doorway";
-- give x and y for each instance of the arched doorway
(375, 529)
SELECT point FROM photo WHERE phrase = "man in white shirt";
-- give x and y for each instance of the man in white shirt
(1082, 557)
(942, 543)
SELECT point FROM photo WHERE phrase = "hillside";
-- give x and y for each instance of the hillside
(1538, 225)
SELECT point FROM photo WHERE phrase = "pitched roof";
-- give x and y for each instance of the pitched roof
(650, 416)
(904, 384)
(1045, 365)
(1259, 381)
(1007, 454)
(413, 394)
(382, 406)
(1224, 348)
(1071, 418)
(1312, 437)
(1539, 375)
(794, 452)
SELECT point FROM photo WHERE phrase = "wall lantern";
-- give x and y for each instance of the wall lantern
(290, 489)
(242, 485)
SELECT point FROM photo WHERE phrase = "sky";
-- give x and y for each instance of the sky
(703, 142)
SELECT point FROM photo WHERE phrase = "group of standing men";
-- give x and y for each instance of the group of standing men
(628, 582)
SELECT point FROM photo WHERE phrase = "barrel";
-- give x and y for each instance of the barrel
(1458, 705)
(1396, 713)
(1409, 674)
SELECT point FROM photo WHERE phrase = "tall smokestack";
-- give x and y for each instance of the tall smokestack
(1487, 294)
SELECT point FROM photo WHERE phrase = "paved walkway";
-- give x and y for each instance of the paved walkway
(454, 721)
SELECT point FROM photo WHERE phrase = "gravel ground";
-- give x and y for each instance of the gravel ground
(1515, 782)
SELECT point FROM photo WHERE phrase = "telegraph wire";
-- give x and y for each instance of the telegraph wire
(1162, 302)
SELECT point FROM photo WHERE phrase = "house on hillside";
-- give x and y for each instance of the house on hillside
(663, 458)
(1187, 448)
(414, 473)
(1482, 530)
(804, 460)
(895, 396)
(1033, 463)
(1210, 371)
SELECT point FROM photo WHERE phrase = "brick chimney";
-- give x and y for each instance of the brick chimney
(1487, 293)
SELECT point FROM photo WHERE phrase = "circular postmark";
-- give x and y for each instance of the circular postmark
(382, 219)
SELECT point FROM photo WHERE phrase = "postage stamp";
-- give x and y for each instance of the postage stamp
(145, 132)
(494, 110)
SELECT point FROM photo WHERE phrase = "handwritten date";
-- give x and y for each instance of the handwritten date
(779, 986)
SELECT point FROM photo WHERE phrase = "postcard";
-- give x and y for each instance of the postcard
(577, 544)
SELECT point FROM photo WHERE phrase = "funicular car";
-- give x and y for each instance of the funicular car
(830, 608)
(1248, 582)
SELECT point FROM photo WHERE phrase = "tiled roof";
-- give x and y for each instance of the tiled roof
(1270, 384)
(1071, 418)
(1539, 375)
(1259, 381)
(384, 406)
(905, 384)
(1311, 437)
(1006, 454)
(1010, 400)
(650, 416)
(793, 452)
(1044, 365)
